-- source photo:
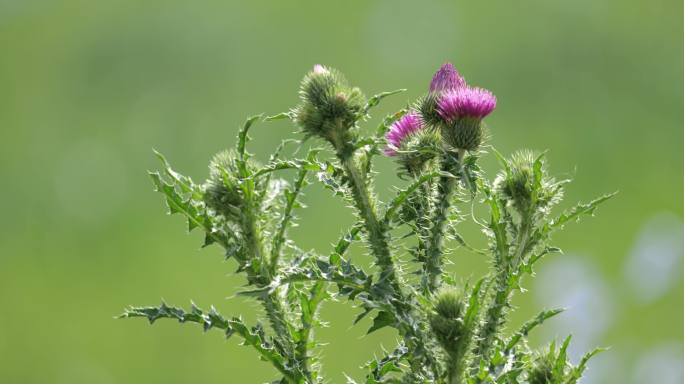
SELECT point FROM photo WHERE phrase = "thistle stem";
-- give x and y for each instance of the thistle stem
(272, 302)
(432, 268)
(317, 294)
(379, 245)
(496, 312)
(377, 232)
(279, 238)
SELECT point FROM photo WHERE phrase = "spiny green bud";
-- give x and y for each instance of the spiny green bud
(416, 152)
(522, 187)
(222, 191)
(449, 304)
(542, 370)
(517, 185)
(330, 107)
(552, 366)
(465, 133)
(427, 106)
(447, 319)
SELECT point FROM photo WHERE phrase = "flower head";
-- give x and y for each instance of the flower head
(526, 185)
(319, 69)
(447, 78)
(461, 112)
(407, 125)
(330, 106)
(475, 103)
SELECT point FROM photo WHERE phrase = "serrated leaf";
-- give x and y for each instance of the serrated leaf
(562, 360)
(279, 116)
(404, 194)
(579, 370)
(381, 320)
(578, 210)
(243, 136)
(526, 328)
(375, 100)
(196, 216)
(253, 337)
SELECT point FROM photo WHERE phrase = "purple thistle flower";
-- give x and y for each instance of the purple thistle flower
(407, 125)
(466, 102)
(447, 78)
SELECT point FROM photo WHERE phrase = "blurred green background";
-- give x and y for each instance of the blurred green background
(88, 88)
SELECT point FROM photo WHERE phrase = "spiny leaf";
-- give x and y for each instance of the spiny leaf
(195, 214)
(384, 126)
(474, 304)
(184, 183)
(279, 165)
(578, 210)
(375, 100)
(461, 241)
(527, 265)
(291, 200)
(350, 279)
(388, 364)
(243, 136)
(381, 320)
(530, 325)
(579, 370)
(253, 337)
(346, 240)
(279, 116)
(562, 360)
(404, 194)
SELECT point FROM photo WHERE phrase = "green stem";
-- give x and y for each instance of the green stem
(272, 303)
(423, 218)
(457, 370)
(376, 230)
(432, 268)
(279, 238)
(495, 316)
(308, 315)
(496, 312)
(378, 239)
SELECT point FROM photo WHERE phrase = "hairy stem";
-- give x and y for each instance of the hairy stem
(272, 302)
(496, 312)
(379, 245)
(279, 238)
(377, 231)
(422, 228)
(432, 268)
(316, 295)
(457, 369)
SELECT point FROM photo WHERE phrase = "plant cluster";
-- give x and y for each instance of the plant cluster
(448, 332)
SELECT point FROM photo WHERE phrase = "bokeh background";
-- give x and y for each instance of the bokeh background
(88, 88)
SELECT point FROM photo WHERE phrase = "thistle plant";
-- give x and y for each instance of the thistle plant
(447, 332)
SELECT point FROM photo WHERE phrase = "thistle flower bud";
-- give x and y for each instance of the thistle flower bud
(447, 320)
(462, 111)
(330, 107)
(401, 130)
(446, 78)
(222, 191)
(542, 370)
(427, 106)
(524, 189)
(411, 143)
(516, 185)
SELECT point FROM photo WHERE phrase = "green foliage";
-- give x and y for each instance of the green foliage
(448, 333)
